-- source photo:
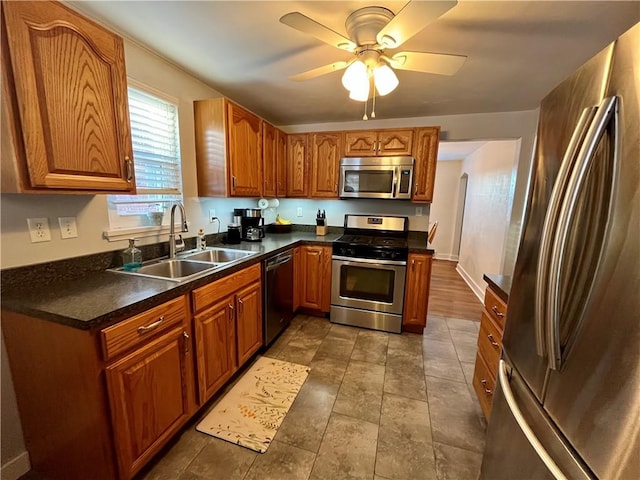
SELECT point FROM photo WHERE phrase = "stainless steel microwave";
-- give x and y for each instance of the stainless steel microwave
(376, 177)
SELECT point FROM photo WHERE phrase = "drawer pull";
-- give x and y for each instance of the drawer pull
(487, 391)
(498, 313)
(240, 307)
(493, 342)
(230, 312)
(154, 325)
(186, 338)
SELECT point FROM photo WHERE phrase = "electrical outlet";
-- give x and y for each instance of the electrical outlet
(212, 215)
(299, 212)
(418, 211)
(39, 229)
(68, 227)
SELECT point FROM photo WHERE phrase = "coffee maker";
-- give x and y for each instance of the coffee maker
(252, 224)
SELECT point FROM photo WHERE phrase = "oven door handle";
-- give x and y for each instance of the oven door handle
(355, 261)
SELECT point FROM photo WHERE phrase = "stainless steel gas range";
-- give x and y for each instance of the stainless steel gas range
(368, 272)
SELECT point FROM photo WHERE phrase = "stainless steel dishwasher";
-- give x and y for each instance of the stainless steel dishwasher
(278, 295)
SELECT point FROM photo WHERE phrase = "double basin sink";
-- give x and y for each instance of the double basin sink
(189, 265)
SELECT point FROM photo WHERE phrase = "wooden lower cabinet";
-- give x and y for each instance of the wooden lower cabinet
(494, 316)
(228, 327)
(416, 300)
(148, 397)
(315, 277)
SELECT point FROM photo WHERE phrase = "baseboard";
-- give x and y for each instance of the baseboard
(475, 288)
(15, 468)
(446, 256)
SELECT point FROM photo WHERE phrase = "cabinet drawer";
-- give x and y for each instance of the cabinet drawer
(496, 307)
(484, 384)
(210, 294)
(129, 333)
(489, 343)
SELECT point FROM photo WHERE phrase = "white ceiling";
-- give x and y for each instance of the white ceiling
(517, 52)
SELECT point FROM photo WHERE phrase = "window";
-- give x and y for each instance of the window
(156, 156)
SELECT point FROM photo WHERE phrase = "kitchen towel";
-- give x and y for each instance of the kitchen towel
(251, 412)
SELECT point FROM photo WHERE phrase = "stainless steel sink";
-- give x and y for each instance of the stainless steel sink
(217, 255)
(174, 270)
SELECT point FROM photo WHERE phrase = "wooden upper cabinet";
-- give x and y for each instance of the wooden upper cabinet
(244, 152)
(416, 300)
(297, 165)
(373, 143)
(269, 159)
(281, 163)
(67, 95)
(326, 151)
(425, 152)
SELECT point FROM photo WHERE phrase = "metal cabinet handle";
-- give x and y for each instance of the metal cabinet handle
(415, 192)
(493, 342)
(487, 391)
(129, 163)
(186, 338)
(498, 313)
(233, 182)
(373, 147)
(152, 326)
(240, 306)
(231, 309)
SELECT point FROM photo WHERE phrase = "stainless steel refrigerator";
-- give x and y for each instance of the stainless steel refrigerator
(567, 403)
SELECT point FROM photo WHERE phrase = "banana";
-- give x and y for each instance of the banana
(282, 221)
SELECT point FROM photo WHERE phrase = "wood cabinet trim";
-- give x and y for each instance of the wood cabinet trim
(204, 296)
(417, 285)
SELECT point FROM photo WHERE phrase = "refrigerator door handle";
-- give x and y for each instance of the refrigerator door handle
(606, 111)
(550, 222)
(503, 376)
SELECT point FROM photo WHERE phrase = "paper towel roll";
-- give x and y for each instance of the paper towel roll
(263, 203)
(274, 203)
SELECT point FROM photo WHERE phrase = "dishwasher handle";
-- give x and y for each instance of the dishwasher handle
(274, 263)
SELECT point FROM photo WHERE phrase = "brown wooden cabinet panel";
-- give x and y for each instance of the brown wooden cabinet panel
(215, 347)
(244, 153)
(281, 163)
(360, 143)
(74, 130)
(249, 321)
(416, 300)
(211, 146)
(484, 383)
(395, 142)
(148, 396)
(425, 152)
(298, 275)
(326, 151)
(269, 159)
(315, 284)
(297, 165)
(374, 143)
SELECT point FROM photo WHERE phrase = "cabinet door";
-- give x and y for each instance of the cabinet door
(269, 154)
(298, 276)
(360, 143)
(249, 321)
(215, 347)
(297, 176)
(326, 151)
(281, 163)
(426, 156)
(316, 277)
(244, 152)
(148, 398)
(70, 81)
(416, 300)
(395, 142)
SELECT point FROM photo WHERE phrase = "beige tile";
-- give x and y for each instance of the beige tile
(454, 463)
(282, 462)
(220, 459)
(371, 347)
(360, 394)
(181, 453)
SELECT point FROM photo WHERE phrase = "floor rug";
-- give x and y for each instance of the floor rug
(251, 412)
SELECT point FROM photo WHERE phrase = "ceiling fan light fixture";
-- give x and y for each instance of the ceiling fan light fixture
(387, 41)
(385, 79)
(355, 75)
(360, 92)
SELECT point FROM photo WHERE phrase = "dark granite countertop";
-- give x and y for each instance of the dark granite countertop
(501, 284)
(102, 298)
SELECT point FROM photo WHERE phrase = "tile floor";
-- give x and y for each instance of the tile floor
(375, 406)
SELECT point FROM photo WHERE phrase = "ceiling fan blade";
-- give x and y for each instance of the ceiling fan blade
(316, 72)
(438, 63)
(413, 17)
(307, 25)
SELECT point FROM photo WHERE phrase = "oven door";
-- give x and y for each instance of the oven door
(366, 284)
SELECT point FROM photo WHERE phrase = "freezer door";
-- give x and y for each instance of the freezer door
(511, 453)
(562, 118)
(595, 396)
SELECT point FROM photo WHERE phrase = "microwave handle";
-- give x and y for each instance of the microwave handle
(396, 179)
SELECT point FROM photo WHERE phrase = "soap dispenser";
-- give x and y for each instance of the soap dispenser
(131, 256)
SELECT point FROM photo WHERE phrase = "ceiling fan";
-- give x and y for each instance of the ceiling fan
(372, 32)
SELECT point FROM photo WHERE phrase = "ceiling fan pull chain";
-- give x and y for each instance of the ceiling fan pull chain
(364, 117)
(373, 108)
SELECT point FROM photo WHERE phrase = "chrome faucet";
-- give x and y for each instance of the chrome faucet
(177, 246)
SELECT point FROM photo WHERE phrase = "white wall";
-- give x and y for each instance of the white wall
(444, 208)
(490, 191)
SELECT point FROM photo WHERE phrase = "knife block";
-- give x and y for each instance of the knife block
(321, 230)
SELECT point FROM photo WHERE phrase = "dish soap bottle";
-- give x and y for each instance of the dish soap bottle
(202, 242)
(131, 256)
